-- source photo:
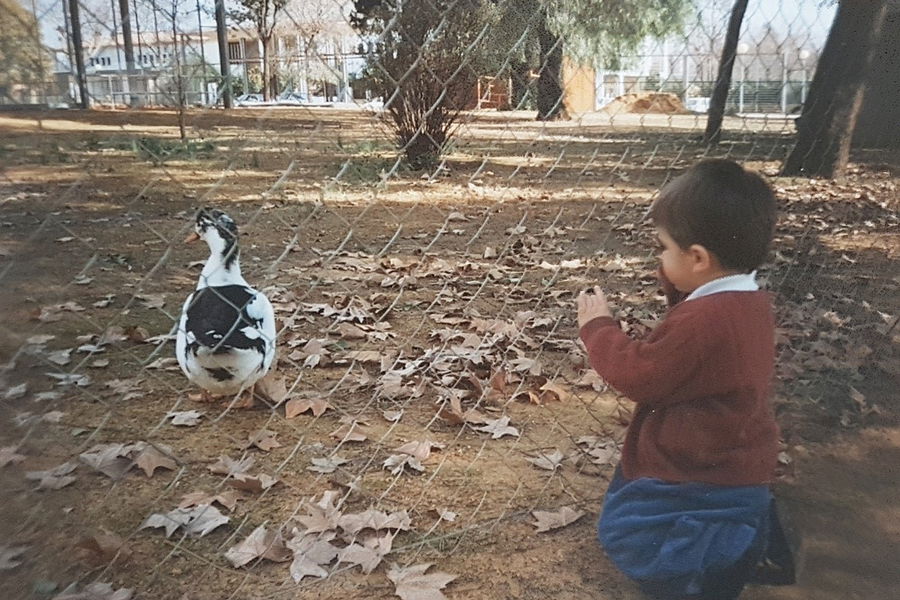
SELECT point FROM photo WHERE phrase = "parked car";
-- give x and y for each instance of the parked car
(291, 99)
(249, 100)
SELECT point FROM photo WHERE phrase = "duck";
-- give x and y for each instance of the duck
(226, 335)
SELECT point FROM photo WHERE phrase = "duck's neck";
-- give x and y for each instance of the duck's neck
(223, 267)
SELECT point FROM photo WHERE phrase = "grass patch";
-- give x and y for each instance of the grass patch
(160, 150)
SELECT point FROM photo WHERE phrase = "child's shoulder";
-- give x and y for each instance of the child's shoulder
(730, 306)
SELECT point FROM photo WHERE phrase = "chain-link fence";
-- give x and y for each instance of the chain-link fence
(421, 237)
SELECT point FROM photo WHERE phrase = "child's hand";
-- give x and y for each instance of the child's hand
(673, 296)
(591, 306)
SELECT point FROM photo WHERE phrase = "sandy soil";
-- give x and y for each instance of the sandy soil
(93, 206)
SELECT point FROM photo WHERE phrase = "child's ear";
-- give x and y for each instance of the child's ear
(702, 259)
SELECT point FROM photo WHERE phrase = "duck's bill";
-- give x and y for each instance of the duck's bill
(192, 237)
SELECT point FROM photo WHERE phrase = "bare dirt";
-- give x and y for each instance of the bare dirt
(647, 102)
(521, 217)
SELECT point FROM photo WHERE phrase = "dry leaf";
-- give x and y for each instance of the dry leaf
(228, 499)
(365, 356)
(16, 392)
(70, 379)
(547, 520)
(447, 515)
(166, 364)
(185, 418)
(551, 461)
(377, 520)
(310, 553)
(60, 357)
(349, 432)
(106, 301)
(263, 439)
(261, 543)
(411, 583)
(392, 415)
(369, 554)
(101, 548)
(396, 463)
(152, 300)
(498, 428)
(322, 515)
(326, 465)
(453, 413)
(9, 456)
(228, 466)
(299, 406)
(272, 387)
(150, 457)
(9, 557)
(554, 391)
(196, 521)
(591, 379)
(420, 450)
(599, 451)
(53, 479)
(349, 331)
(95, 591)
(251, 483)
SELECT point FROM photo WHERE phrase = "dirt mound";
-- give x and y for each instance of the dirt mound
(647, 102)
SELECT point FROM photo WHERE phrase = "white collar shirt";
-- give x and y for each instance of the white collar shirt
(742, 282)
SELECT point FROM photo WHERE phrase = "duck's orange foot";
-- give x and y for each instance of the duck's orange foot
(244, 400)
(204, 396)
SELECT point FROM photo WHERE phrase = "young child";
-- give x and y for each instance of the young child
(688, 514)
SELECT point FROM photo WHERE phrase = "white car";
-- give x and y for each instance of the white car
(249, 100)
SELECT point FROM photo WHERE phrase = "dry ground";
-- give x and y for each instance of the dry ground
(521, 216)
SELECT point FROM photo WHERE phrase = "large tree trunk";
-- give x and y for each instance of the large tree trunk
(825, 128)
(519, 75)
(878, 125)
(224, 61)
(549, 86)
(78, 49)
(125, 16)
(723, 79)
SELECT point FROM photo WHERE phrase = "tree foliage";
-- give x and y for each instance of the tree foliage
(22, 57)
(597, 32)
(264, 15)
(429, 57)
(604, 32)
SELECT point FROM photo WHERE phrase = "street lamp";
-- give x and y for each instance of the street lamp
(741, 49)
(804, 54)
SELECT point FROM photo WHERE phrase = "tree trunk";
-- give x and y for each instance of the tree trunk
(267, 89)
(78, 49)
(224, 60)
(723, 79)
(519, 75)
(878, 125)
(825, 128)
(179, 79)
(129, 49)
(549, 85)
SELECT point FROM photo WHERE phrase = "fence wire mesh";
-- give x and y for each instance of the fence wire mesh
(430, 401)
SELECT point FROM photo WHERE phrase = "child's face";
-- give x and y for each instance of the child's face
(677, 263)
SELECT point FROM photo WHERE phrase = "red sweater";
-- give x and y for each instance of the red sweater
(702, 381)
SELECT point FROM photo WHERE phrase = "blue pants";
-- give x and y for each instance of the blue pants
(685, 540)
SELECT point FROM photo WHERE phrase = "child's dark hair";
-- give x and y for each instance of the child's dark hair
(723, 207)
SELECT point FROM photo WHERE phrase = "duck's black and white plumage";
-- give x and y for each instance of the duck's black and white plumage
(226, 337)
